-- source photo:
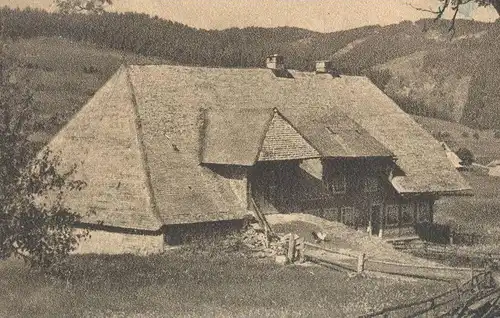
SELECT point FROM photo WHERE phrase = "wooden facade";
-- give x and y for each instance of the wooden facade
(354, 191)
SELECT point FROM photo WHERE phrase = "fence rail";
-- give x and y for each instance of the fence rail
(445, 234)
(449, 303)
(457, 300)
(360, 262)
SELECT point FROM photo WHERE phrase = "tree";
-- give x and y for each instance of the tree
(466, 156)
(454, 6)
(34, 222)
(75, 6)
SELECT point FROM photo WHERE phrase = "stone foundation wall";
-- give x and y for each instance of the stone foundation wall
(103, 242)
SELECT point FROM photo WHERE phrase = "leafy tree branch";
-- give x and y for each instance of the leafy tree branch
(35, 224)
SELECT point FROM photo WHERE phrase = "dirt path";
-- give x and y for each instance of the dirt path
(341, 238)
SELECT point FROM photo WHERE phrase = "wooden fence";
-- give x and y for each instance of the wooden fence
(478, 293)
(445, 234)
(360, 263)
(452, 303)
(451, 253)
(469, 239)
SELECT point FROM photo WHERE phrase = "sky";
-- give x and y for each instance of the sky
(317, 15)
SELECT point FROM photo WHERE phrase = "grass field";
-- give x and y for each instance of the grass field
(479, 213)
(189, 284)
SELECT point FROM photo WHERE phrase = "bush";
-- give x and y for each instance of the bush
(433, 232)
(465, 134)
(466, 156)
(496, 134)
(476, 135)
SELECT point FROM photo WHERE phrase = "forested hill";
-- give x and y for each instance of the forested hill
(418, 64)
(139, 33)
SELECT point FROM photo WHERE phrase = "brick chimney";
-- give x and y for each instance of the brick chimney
(275, 62)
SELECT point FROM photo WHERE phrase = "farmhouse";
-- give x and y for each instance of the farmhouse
(170, 152)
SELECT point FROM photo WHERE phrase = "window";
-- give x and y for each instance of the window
(371, 184)
(392, 215)
(423, 211)
(330, 213)
(406, 214)
(348, 215)
(337, 184)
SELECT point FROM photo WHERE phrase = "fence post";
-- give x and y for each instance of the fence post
(301, 246)
(291, 249)
(361, 262)
(266, 234)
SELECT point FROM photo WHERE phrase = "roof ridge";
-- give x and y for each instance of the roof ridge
(140, 139)
(128, 66)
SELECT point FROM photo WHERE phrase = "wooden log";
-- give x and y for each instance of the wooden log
(266, 233)
(361, 262)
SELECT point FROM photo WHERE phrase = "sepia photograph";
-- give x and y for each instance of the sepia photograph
(250, 158)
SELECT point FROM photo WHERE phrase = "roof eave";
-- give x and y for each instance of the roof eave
(456, 193)
(377, 156)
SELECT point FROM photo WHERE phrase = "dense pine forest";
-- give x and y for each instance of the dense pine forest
(176, 42)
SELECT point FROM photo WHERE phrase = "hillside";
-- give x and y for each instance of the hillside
(420, 65)
(63, 75)
(417, 64)
(482, 143)
(311, 15)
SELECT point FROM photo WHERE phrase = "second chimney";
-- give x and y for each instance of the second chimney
(323, 67)
(275, 62)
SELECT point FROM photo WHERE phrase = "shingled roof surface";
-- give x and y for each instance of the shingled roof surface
(141, 138)
(170, 99)
(103, 140)
(234, 136)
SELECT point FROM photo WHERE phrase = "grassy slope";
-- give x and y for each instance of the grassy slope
(195, 285)
(485, 149)
(457, 76)
(477, 214)
(54, 69)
